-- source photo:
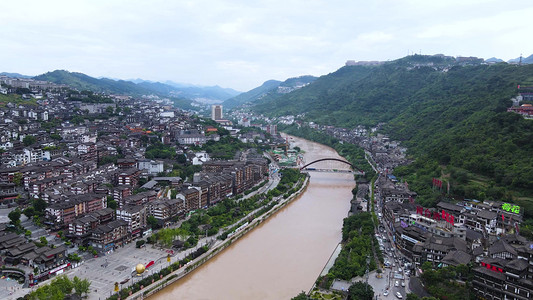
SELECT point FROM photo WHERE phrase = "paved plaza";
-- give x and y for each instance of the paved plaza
(113, 267)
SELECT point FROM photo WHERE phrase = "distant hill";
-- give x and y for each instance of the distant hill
(136, 86)
(15, 75)
(525, 60)
(494, 60)
(251, 95)
(208, 92)
(81, 81)
(269, 90)
(190, 91)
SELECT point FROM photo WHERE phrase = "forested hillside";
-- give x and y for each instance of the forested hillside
(452, 118)
(251, 95)
(269, 91)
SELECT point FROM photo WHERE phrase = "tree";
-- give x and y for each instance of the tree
(426, 266)
(43, 241)
(109, 110)
(111, 203)
(39, 206)
(152, 221)
(74, 257)
(360, 291)
(14, 216)
(301, 296)
(139, 243)
(29, 212)
(81, 286)
(29, 140)
(63, 283)
(181, 158)
(17, 178)
(77, 120)
(412, 296)
(55, 136)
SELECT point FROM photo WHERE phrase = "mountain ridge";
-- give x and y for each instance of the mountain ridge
(269, 89)
(453, 120)
(103, 84)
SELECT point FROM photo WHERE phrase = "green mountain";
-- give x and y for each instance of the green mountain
(451, 114)
(81, 81)
(251, 95)
(269, 90)
(14, 75)
(525, 60)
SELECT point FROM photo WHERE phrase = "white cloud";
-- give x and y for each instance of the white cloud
(240, 44)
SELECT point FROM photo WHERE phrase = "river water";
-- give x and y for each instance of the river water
(285, 254)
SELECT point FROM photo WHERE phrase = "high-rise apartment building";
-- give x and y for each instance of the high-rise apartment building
(216, 112)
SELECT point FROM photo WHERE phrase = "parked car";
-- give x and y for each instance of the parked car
(386, 293)
(399, 295)
(403, 283)
(396, 283)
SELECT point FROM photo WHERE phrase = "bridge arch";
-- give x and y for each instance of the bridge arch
(333, 159)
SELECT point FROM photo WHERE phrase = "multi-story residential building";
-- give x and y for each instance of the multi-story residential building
(165, 209)
(63, 213)
(192, 198)
(81, 227)
(8, 194)
(135, 216)
(138, 199)
(122, 191)
(128, 176)
(109, 236)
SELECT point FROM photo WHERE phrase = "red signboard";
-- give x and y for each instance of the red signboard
(436, 215)
(437, 183)
(491, 267)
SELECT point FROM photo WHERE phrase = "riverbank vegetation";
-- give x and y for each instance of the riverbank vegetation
(357, 246)
(226, 213)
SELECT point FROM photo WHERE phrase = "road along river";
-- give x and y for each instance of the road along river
(285, 254)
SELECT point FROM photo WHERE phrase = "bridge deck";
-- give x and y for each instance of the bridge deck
(329, 171)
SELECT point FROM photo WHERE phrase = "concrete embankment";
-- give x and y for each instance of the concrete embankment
(218, 248)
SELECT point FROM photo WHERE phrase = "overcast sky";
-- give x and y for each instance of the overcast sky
(241, 44)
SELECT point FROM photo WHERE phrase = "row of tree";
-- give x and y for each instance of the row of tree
(59, 288)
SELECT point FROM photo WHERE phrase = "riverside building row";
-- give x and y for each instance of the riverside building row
(482, 234)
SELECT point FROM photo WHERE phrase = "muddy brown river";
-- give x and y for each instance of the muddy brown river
(285, 254)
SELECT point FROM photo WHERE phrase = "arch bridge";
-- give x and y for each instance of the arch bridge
(357, 170)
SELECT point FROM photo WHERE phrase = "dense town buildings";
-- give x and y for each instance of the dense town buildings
(76, 157)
